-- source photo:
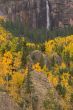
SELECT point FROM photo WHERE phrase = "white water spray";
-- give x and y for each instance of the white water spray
(48, 15)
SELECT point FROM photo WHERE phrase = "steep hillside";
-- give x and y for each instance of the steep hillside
(35, 76)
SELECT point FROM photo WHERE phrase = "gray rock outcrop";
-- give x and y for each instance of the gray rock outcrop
(6, 103)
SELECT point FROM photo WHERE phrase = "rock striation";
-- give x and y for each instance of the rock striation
(39, 13)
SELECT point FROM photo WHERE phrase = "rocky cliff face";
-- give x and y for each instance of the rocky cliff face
(38, 13)
(61, 13)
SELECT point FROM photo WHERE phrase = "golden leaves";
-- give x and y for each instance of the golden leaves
(37, 67)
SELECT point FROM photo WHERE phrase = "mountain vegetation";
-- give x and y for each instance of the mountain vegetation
(35, 75)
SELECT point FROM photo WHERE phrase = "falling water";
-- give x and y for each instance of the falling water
(48, 15)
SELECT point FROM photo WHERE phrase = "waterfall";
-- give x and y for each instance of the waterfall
(48, 15)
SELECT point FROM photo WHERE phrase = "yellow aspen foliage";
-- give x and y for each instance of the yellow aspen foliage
(30, 45)
(7, 59)
(1, 81)
(1, 66)
(53, 79)
(56, 68)
(49, 47)
(45, 70)
(37, 67)
(25, 72)
(63, 65)
(7, 62)
(15, 85)
(69, 48)
(65, 79)
(50, 76)
(17, 60)
(17, 78)
(4, 35)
